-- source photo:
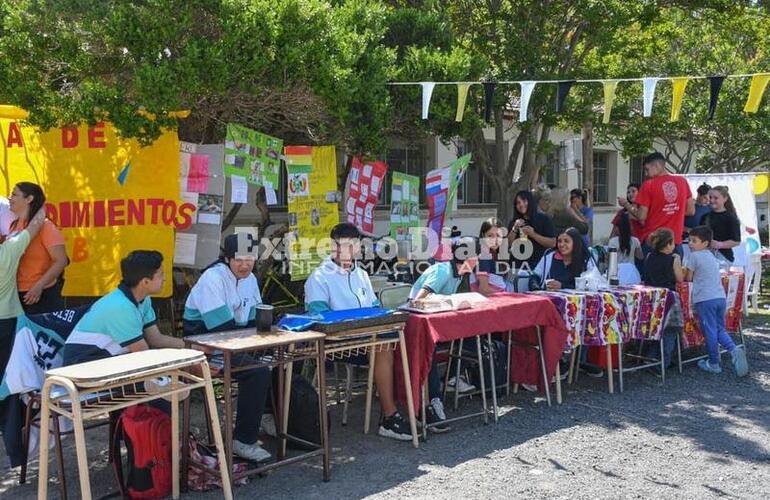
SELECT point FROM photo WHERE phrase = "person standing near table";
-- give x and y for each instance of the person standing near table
(339, 284)
(629, 251)
(225, 298)
(708, 298)
(702, 207)
(528, 222)
(636, 227)
(579, 205)
(44, 260)
(663, 201)
(444, 278)
(723, 221)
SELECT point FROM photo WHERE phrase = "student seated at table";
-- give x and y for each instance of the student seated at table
(662, 268)
(225, 298)
(489, 278)
(445, 278)
(708, 297)
(339, 284)
(559, 267)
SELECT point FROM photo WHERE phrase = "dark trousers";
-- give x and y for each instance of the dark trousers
(50, 301)
(11, 408)
(253, 390)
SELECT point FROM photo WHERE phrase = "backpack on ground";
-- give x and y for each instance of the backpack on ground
(146, 431)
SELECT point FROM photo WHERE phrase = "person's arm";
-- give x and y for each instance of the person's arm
(577, 214)
(541, 240)
(690, 207)
(36, 223)
(157, 340)
(691, 265)
(735, 236)
(424, 292)
(483, 281)
(139, 345)
(678, 269)
(638, 254)
(59, 262)
(316, 294)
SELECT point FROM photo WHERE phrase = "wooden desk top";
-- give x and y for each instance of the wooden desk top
(249, 339)
(127, 366)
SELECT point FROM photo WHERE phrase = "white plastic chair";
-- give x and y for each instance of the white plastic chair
(754, 281)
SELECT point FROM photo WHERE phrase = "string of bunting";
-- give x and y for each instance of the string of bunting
(759, 82)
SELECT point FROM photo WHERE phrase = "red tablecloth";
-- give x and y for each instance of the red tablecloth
(734, 284)
(517, 312)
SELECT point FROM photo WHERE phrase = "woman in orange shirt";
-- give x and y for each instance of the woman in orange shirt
(45, 258)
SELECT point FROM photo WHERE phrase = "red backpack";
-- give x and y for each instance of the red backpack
(147, 434)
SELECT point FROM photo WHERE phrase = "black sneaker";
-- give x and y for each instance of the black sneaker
(395, 427)
(435, 417)
(592, 371)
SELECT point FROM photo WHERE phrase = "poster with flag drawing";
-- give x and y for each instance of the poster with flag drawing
(441, 190)
(404, 205)
(363, 188)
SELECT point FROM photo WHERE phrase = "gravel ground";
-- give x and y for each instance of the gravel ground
(697, 436)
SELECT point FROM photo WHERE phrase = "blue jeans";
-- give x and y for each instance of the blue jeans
(434, 380)
(711, 316)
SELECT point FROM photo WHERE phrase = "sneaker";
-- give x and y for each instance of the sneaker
(395, 427)
(592, 371)
(435, 416)
(268, 425)
(704, 365)
(740, 365)
(252, 452)
(463, 386)
(529, 387)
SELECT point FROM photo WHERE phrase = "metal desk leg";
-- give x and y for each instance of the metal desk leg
(408, 387)
(458, 362)
(508, 358)
(662, 362)
(175, 437)
(369, 388)
(492, 375)
(609, 368)
(546, 382)
(423, 416)
(321, 371)
(620, 363)
(45, 415)
(228, 395)
(558, 383)
(225, 458)
(481, 378)
(286, 401)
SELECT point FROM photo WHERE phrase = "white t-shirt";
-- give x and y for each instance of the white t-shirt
(623, 258)
(6, 216)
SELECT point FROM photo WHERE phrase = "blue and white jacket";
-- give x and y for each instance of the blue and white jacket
(331, 288)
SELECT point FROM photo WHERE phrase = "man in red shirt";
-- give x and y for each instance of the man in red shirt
(662, 201)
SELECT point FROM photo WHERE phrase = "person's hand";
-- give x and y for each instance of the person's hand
(715, 245)
(202, 348)
(623, 202)
(33, 294)
(528, 230)
(519, 223)
(553, 284)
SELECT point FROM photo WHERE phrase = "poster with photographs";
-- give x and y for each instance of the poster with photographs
(404, 205)
(197, 246)
(252, 155)
(363, 186)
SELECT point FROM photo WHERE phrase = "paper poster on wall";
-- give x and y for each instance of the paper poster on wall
(113, 197)
(363, 186)
(252, 155)
(198, 245)
(312, 175)
(404, 205)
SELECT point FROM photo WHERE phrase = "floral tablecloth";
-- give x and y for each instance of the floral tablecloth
(614, 315)
(734, 284)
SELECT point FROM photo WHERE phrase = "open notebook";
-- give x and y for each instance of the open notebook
(441, 303)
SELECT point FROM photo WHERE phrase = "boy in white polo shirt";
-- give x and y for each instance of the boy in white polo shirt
(338, 284)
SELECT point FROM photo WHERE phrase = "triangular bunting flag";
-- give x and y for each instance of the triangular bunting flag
(124, 173)
(427, 92)
(649, 95)
(758, 86)
(561, 94)
(526, 92)
(489, 95)
(715, 84)
(609, 97)
(462, 95)
(678, 86)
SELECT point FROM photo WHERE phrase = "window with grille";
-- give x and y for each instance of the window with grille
(601, 189)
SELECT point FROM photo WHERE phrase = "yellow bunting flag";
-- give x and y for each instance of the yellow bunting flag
(758, 86)
(678, 85)
(609, 98)
(462, 95)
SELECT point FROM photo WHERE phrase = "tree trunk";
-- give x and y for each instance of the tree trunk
(588, 159)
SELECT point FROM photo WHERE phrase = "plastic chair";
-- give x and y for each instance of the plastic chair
(754, 281)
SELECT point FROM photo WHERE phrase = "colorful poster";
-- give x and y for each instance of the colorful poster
(312, 203)
(108, 195)
(252, 155)
(441, 190)
(363, 187)
(404, 205)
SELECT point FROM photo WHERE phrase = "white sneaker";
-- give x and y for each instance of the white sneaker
(529, 387)
(462, 386)
(268, 425)
(438, 407)
(252, 452)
